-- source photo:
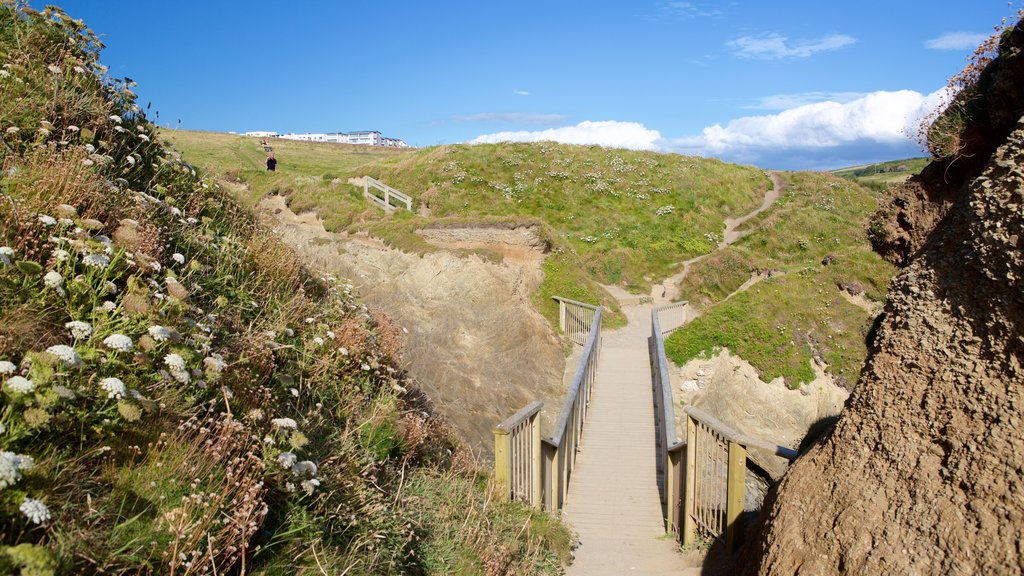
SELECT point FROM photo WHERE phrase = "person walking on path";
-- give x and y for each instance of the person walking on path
(271, 163)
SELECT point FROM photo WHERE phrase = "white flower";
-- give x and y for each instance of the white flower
(304, 468)
(366, 367)
(294, 392)
(7, 368)
(254, 414)
(56, 70)
(11, 465)
(175, 362)
(110, 287)
(79, 69)
(283, 423)
(177, 257)
(96, 261)
(20, 385)
(66, 354)
(115, 119)
(215, 363)
(118, 342)
(35, 510)
(343, 350)
(318, 341)
(108, 306)
(130, 160)
(61, 254)
(310, 320)
(155, 266)
(184, 377)
(47, 220)
(310, 485)
(53, 279)
(331, 335)
(86, 162)
(79, 329)
(114, 387)
(6, 253)
(160, 333)
(146, 139)
(286, 459)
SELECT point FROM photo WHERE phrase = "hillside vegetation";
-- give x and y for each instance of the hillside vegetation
(178, 395)
(884, 174)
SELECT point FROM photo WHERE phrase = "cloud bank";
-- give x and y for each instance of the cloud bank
(775, 46)
(956, 41)
(873, 127)
(632, 135)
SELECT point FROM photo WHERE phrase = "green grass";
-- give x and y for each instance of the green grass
(781, 323)
(884, 174)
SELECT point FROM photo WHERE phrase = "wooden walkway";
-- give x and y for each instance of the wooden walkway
(613, 502)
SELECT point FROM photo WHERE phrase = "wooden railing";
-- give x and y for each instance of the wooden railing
(575, 319)
(389, 194)
(716, 469)
(670, 448)
(538, 471)
(707, 493)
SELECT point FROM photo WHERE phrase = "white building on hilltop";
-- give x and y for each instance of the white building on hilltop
(363, 138)
(261, 134)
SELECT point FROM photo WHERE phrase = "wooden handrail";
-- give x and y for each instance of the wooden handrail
(732, 435)
(555, 455)
(577, 303)
(388, 191)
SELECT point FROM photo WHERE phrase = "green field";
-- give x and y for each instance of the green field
(885, 174)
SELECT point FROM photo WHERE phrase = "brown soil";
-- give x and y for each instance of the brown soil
(474, 343)
(924, 472)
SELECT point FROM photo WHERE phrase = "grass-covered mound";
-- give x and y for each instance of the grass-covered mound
(177, 393)
(813, 243)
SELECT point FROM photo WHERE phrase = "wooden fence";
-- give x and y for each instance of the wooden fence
(390, 194)
(575, 319)
(706, 493)
(538, 471)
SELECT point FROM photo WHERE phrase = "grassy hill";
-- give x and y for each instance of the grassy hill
(881, 176)
(177, 393)
(603, 211)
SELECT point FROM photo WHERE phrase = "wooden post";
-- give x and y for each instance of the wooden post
(536, 458)
(502, 461)
(689, 528)
(561, 315)
(734, 499)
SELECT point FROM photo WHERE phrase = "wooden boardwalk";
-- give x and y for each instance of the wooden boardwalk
(613, 502)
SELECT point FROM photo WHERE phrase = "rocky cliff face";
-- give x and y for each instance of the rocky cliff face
(924, 472)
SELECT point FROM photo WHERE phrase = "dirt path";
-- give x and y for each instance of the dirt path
(668, 290)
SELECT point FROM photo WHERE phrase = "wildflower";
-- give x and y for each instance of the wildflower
(100, 261)
(61, 255)
(6, 253)
(20, 385)
(79, 69)
(366, 367)
(56, 70)
(108, 306)
(282, 423)
(160, 333)
(294, 392)
(254, 414)
(155, 266)
(309, 485)
(114, 387)
(79, 329)
(87, 162)
(144, 138)
(215, 363)
(118, 343)
(4, 74)
(343, 350)
(175, 362)
(35, 510)
(115, 119)
(318, 341)
(286, 459)
(110, 287)
(47, 220)
(13, 129)
(304, 468)
(66, 354)
(53, 280)
(331, 335)
(310, 320)
(177, 257)
(7, 368)
(130, 160)
(11, 466)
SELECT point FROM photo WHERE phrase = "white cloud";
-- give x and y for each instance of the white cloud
(520, 92)
(613, 134)
(878, 119)
(684, 10)
(512, 117)
(787, 101)
(774, 46)
(956, 41)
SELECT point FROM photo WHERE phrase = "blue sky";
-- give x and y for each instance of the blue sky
(791, 85)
